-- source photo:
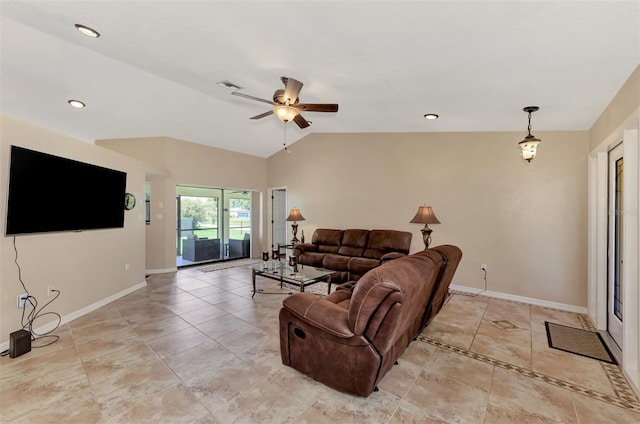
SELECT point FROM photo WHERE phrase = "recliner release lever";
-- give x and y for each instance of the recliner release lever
(299, 333)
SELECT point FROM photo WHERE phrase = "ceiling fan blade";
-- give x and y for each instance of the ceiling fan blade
(292, 89)
(302, 123)
(317, 107)
(258, 99)
(262, 115)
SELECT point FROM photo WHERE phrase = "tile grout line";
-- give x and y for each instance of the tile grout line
(625, 403)
(613, 372)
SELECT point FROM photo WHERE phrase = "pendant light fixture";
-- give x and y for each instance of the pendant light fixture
(530, 143)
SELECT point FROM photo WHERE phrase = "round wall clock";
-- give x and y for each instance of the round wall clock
(129, 201)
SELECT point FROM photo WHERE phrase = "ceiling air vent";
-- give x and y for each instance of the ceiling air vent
(229, 85)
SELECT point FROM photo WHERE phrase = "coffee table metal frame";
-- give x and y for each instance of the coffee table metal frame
(303, 277)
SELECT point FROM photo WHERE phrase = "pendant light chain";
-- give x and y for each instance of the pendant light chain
(530, 143)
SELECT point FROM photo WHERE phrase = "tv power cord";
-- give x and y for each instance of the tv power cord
(28, 320)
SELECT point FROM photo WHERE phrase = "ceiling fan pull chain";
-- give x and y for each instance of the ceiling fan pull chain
(285, 135)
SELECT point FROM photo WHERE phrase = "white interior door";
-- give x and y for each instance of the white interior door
(278, 217)
(615, 280)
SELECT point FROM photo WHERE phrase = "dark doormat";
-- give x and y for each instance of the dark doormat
(578, 341)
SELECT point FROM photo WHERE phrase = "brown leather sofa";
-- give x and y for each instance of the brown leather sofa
(349, 339)
(353, 252)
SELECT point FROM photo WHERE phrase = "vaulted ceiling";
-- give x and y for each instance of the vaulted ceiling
(154, 69)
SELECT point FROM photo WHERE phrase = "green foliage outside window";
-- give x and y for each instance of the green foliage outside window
(203, 210)
(240, 203)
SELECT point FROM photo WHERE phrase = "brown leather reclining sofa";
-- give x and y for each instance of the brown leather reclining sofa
(351, 253)
(348, 340)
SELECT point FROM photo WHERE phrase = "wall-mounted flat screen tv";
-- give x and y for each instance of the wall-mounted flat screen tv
(51, 193)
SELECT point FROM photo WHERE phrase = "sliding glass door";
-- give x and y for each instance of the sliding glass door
(212, 224)
(237, 224)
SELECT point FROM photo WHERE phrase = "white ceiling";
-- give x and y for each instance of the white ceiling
(153, 72)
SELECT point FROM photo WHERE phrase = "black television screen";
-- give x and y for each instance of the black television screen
(52, 193)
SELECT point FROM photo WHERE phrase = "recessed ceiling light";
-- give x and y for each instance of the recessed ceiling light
(76, 103)
(431, 116)
(89, 32)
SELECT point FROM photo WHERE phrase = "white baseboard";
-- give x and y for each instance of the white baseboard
(634, 380)
(160, 271)
(521, 299)
(77, 314)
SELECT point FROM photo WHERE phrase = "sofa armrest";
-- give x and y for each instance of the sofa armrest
(391, 255)
(304, 247)
(322, 312)
(346, 286)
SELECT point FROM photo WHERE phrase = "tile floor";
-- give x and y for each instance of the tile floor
(194, 347)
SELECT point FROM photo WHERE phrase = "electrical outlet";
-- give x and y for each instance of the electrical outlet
(51, 291)
(22, 300)
(484, 267)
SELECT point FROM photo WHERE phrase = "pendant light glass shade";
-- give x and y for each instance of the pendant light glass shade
(529, 146)
(530, 143)
(285, 113)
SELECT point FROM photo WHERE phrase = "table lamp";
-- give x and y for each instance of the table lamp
(295, 216)
(425, 216)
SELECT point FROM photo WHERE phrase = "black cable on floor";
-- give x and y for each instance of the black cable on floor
(35, 313)
(451, 293)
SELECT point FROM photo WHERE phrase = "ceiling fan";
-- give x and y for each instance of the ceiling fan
(286, 103)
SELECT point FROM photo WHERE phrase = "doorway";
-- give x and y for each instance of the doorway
(601, 260)
(615, 269)
(213, 224)
(278, 217)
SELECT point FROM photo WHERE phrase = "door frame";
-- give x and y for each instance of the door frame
(614, 324)
(270, 191)
(598, 168)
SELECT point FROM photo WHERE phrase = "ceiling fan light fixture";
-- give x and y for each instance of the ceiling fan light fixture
(89, 32)
(285, 113)
(285, 108)
(431, 116)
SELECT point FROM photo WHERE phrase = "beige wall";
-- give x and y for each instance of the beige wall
(177, 162)
(625, 102)
(87, 267)
(527, 222)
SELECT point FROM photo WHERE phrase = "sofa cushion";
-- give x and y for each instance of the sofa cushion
(385, 241)
(360, 266)
(327, 240)
(336, 262)
(353, 242)
(408, 281)
(312, 259)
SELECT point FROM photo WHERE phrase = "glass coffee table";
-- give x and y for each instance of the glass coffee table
(303, 276)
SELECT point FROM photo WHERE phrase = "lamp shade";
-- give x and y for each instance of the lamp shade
(295, 215)
(285, 113)
(530, 143)
(529, 147)
(425, 215)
